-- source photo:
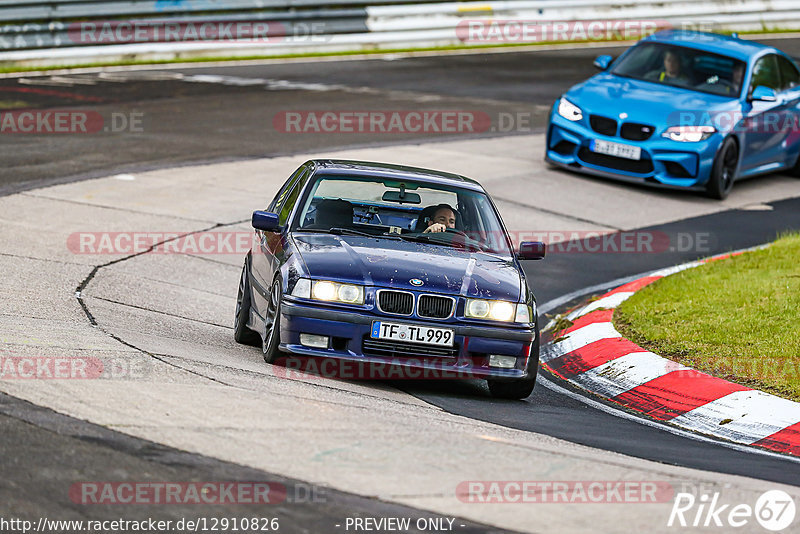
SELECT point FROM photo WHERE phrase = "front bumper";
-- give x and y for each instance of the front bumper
(349, 329)
(663, 162)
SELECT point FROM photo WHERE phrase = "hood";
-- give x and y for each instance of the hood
(389, 263)
(646, 102)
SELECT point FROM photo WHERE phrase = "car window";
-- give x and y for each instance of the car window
(766, 73)
(684, 67)
(291, 198)
(790, 77)
(393, 209)
(276, 203)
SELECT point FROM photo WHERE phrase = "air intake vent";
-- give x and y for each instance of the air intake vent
(395, 302)
(435, 307)
(603, 125)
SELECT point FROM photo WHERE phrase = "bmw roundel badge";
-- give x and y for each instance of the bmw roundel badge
(416, 282)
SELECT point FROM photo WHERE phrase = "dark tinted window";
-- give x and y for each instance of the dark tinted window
(790, 78)
(291, 198)
(277, 202)
(766, 73)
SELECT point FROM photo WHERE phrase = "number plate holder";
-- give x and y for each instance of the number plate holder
(411, 333)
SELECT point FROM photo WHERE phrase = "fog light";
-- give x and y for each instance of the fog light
(314, 341)
(504, 362)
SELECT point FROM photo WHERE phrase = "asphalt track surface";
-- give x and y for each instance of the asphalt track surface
(199, 121)
(207, 121)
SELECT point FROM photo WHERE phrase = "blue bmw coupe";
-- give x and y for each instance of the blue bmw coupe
(682, 109)
(383, 264)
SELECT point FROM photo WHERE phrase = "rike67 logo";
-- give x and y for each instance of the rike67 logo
(774, 510)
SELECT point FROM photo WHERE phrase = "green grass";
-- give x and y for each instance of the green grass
(738, 318)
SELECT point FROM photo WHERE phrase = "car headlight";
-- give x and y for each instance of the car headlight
(689, 134)
(329, 291)
(497, 310)
(569, 111)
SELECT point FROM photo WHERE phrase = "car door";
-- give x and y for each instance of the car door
(265, 252)
(762, 131)
(790, 93)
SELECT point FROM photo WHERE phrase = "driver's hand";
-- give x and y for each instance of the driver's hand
(435, 227)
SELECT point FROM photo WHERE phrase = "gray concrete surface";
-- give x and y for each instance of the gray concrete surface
(202, 393)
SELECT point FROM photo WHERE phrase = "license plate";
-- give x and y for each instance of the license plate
(442, 337)
(615, 149)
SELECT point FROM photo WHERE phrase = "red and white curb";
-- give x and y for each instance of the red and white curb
(594, 356)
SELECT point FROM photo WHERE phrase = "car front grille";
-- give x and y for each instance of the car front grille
(642, 166)
(393, 349)
(435, 307)
(395, 302)
(603, 125)
(636, 132)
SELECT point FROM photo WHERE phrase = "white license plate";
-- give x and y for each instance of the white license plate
(615, 149)
(442, 337)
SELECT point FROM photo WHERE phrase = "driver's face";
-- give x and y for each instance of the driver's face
(672, 64)
(445, 217)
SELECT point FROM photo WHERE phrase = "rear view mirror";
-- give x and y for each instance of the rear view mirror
(531, 250)
(401, 197)
(765, 94)
(264, 220)
(602, 62)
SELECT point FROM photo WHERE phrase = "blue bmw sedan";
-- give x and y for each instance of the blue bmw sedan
(390, 265)
(682, 109)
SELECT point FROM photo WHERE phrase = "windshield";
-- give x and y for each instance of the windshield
(440, 215)
(683, 67)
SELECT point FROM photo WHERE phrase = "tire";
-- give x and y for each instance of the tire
(241, 333)
(272, 323)
(795, 171)
(517, 390)
(723, 172)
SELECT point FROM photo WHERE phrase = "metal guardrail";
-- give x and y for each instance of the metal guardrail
(40, 31)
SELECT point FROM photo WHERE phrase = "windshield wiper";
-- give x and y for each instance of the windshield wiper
(427, 238)
(346, 231)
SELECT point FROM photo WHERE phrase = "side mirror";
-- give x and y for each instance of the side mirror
(264, 220)
(531, 250)
(765, 94)
(602, 62)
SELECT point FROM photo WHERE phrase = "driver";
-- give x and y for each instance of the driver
(671, 73)
(443, 218)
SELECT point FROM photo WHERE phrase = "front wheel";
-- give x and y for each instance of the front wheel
(517, 390)
(241, 333)
(272, 323)
(723, 172)
(795, 171)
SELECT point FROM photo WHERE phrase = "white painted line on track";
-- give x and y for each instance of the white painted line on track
(584, 399)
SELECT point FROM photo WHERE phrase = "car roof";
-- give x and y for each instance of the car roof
(344, 167)
(726, 45)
